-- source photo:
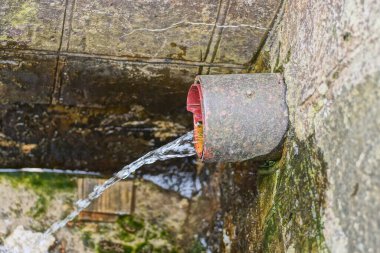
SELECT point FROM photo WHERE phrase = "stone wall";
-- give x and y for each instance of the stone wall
(324, 193)
(330, 53)
(108, 79)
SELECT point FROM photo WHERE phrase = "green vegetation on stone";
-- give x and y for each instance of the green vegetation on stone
(87, 240)
(292, 201)
(144, 247)
(130, 223)
(111, 247)
(45, 185)
(128, 249)
(40, 207)
(197, 247)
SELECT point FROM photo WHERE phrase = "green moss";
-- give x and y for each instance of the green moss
(111, 247)
(335, 75)
(143, 236)
(262, 63)
(43, 183)
(164, 234)
(151, 235)
(3, 37)
(130, 226)
(126, 236)
(40, 207)
(278, 68)
(197, 247)
(102, 229)
(87, 240)
(128, 249)
(144, 247)
(100, 250)
(288, 55)
(26, 12)
(164, 249)
(293, 199)
(317, 106)
(268, 167)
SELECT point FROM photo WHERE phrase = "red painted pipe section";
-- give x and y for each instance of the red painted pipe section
(194, 105)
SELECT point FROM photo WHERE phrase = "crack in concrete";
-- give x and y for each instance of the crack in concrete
(184, 23)
(56, 93)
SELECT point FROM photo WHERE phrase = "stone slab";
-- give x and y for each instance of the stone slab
(101, 140)
(26, 78)
(110, 83)
(35, 24)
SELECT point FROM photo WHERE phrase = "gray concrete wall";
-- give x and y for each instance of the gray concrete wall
(330, 55)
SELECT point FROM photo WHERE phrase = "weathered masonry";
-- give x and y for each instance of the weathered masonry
(94, 84)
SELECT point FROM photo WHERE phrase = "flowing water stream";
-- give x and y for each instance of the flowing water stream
(181, 147)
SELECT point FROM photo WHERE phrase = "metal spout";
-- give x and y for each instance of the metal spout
(238, 117)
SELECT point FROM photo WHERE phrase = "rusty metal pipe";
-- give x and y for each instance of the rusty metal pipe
(238, 117)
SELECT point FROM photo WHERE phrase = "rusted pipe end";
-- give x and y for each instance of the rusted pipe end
(194, 105)
(238, 117)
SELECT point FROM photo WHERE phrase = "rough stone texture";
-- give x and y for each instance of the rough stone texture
(234, 47)
(348, 133)
(27, 78)
(323, 195)
(172, 208)
(161, 220)
(108, 83)
(329, 53)
(70, 137)
(143, 29)
(114, 56)
(185, 30)
(31, 24)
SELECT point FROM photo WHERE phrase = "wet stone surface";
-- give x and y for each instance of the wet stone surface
(179, 176)
(106, 83)
(79, 138)
(322, 195)
(239, 197)
(26, 78)
(273, 206)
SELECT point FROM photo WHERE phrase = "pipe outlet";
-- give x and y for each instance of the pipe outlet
(239, 116)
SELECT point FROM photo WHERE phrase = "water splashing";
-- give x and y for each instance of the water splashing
(181, 147)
